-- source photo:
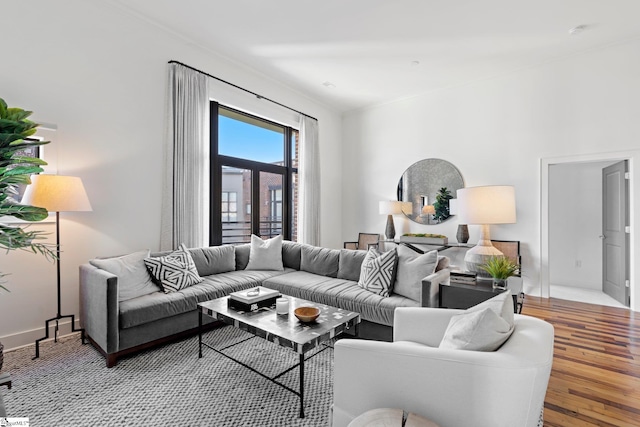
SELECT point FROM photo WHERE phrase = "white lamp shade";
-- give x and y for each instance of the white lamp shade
(428, 210)
(493, 204)
(57, 193)
(393, 207)
(453, 206)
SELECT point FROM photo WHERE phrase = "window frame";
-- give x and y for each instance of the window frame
(217, 161)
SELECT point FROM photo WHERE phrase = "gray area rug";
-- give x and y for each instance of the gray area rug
(70, 385)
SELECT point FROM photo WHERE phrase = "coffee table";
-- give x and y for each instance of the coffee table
(283, 329)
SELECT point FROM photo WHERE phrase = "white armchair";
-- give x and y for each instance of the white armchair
(453, 388)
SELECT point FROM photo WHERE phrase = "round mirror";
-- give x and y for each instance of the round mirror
(429, 185)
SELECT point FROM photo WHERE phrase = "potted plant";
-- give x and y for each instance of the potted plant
(16, 169)
(500, 268)
(441, 205)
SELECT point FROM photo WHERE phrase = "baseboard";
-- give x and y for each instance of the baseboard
(25, 338)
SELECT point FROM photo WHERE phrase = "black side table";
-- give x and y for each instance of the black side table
(462, 296)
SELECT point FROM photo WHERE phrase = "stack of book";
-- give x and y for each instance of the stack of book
(253, 299)
(463, 277)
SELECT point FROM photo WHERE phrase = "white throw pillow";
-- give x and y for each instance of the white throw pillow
(133, 278)
(412, 268)
(377, 272)
(484, 327)
(175, 271)
(265, 254)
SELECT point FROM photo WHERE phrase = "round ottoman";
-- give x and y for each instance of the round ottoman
(390, 417)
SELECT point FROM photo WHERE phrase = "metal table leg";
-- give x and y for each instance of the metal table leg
(302, 386)
(200, 334)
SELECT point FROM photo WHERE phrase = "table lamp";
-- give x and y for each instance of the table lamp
(427, 211)
(494, 204)
(57, 194)
(390, 208)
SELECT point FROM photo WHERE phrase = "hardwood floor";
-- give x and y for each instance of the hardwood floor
(595, 379)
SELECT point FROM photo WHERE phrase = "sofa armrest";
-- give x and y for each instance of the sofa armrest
(431, 287)
(421, 324)
(99, 306)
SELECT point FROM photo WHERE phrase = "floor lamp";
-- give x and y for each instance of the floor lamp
(494, 204)
(57, 194)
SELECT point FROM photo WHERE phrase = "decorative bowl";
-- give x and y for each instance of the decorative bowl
(307, 314)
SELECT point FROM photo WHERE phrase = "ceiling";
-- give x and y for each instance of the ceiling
(378, 51)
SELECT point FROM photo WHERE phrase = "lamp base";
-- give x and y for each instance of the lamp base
(481, 253)
(390, 231)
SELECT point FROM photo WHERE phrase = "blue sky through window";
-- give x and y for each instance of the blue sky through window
(246, 141)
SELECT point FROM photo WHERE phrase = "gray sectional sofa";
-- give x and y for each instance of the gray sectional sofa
(118, 327)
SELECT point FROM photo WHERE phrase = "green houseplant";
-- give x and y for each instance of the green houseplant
(441, 204)
(15, 170)
(500, 268)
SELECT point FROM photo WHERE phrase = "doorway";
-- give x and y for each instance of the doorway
(572, 264)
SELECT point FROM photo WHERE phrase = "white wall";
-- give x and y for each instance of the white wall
(496, 132)
(100, 74)
(575, 213)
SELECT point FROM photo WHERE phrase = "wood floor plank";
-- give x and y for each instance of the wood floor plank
(595, 378)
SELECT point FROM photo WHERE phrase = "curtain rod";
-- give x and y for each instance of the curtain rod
(241, 88)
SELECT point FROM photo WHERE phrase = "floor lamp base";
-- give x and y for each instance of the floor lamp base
(55, 334)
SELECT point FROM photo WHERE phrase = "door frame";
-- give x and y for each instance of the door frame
(634, 213)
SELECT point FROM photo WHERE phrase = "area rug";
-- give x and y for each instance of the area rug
(70, 385)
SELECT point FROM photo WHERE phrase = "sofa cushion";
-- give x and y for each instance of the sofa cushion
(214, 260)
(377, 273)
(412, 268)
(322, 261)
(265, 254)
(174, 271)
(345, 294)
(148, 308)
(133, 278)
(291, 254)
(242, 255)
(484, 327)
(350, 263)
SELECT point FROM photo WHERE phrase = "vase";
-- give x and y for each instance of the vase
(463, 233)
(499, 283)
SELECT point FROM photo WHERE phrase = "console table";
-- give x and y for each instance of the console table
(462, 296)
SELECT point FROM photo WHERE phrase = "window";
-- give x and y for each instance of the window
(254, 166)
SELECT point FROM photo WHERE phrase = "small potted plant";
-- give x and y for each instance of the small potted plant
(500, 268)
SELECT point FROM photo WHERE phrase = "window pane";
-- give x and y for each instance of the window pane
(236, 184)
(249, 138)
(270, 205)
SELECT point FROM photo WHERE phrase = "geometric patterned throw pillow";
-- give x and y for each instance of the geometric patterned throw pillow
(174, 271)
(377, 273)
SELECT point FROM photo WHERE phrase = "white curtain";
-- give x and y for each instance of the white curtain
(309, 174)
(185, 202)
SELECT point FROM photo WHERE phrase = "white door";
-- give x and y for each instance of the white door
(615, 242)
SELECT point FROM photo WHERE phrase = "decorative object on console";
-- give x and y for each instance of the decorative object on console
(424, 239)
(422, 184)
(500, 268)
(484, 206)
(462, 235)
(57, 193)
(390, 208)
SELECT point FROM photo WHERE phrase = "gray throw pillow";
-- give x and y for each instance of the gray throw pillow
(322, 261)
(265, 254)
(412, 268)
(214, 259)
(378, 271)
(133, 278)
(350, 264)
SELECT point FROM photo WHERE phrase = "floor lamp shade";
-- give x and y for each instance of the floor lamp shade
(57, 193)
(494, 204)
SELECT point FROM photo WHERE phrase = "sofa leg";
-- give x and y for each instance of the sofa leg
(111, 360)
